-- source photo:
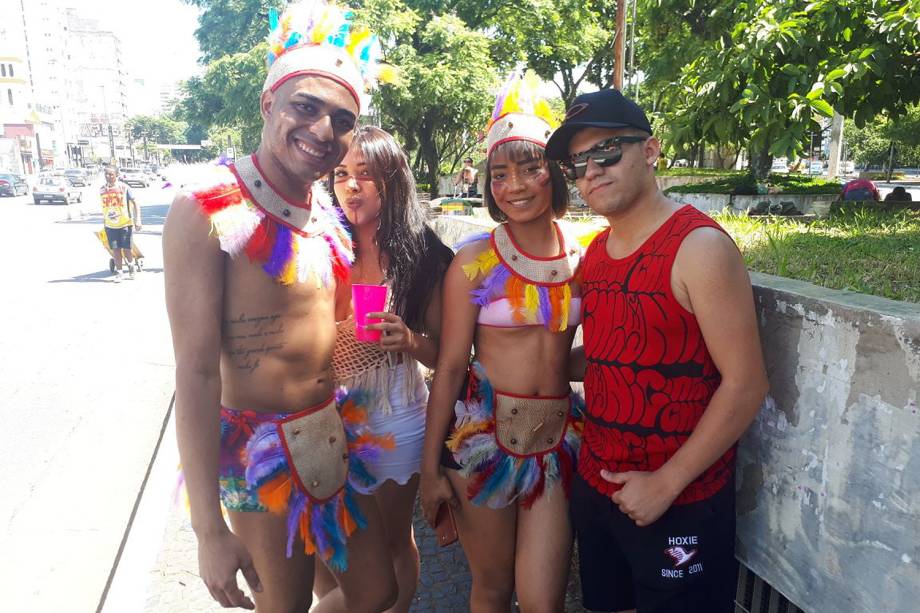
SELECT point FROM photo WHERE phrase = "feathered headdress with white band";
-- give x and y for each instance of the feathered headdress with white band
(520, 113)
(313, 37)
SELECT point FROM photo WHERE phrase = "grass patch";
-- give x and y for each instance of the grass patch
(863, 250)
(741, 184)
(699, 172)
(882, 176)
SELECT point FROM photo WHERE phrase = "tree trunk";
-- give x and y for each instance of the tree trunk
(760, 162)
(619, 45)
(890, 160)
(429, 151)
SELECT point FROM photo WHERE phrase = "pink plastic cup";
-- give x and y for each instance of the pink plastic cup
(367, 299)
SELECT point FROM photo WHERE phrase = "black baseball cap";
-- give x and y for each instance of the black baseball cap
(607, 108)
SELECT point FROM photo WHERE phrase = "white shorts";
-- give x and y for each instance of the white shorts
(406, 423)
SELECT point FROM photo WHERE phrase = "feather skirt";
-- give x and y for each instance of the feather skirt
(323, 526)
(498, 478)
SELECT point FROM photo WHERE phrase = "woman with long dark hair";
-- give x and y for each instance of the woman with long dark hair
(394, 247)
(512, 440)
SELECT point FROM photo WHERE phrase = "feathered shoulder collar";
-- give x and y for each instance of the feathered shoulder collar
(293, 242)
(538, 289)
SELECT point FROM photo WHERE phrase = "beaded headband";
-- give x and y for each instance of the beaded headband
(520, 113)
(313, 37)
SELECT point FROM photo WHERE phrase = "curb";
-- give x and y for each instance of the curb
(128, 548)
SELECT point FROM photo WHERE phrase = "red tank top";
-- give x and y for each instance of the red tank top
(649, 375)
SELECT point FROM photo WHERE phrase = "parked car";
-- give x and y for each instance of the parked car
(12, 185)
(76, 176)
(816, 167)
(133, 177)
(55, 189)
(780, 165)
(152, 176)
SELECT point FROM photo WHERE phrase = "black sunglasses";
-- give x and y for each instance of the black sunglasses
(606, 153)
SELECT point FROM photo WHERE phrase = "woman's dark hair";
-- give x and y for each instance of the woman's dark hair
(517, 151)
(415, 256)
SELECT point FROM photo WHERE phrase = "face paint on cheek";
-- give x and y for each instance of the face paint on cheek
(543, 178)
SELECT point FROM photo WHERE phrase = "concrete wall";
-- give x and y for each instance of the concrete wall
(816, 204)
(829, 474)
(666, 182)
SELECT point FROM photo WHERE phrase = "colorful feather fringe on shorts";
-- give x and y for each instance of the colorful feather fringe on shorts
(514, 448)
(307, 466)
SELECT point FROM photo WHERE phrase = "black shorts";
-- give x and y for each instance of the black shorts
(683, 563)
(118, 238)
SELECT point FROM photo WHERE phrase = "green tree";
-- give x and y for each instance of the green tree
(670, 33)
(227, 95)
(150, 131)
(566, 42)
(441, 102)
(870, 145)
(783, 65)
(226, 27)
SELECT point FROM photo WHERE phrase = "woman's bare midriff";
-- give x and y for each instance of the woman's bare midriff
(531, 360)
(277, 341)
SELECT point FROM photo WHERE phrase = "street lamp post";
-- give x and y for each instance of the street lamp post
(619, 45)
(105, 110)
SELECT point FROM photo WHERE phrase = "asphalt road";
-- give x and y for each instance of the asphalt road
(86, 372)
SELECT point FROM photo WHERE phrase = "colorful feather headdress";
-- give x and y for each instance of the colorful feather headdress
(520, 113)
(313, 37)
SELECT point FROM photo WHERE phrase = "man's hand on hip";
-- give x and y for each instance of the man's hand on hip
(644, 497)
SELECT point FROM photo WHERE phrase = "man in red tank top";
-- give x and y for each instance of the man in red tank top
(673, 376)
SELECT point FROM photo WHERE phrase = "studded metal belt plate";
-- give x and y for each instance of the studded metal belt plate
(317, 451)
(528, 426)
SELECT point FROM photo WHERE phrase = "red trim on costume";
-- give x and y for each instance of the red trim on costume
(318, 73)
(248, 195)
(568, 420)
(300, 205)
(562, 256)
(511, 138)
(529, 397)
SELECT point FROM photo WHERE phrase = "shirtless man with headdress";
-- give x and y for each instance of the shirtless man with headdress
(251, 260)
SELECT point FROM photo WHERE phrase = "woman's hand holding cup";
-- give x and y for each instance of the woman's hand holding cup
(396, 335)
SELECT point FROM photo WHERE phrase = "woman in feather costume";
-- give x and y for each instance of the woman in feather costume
(512, 440)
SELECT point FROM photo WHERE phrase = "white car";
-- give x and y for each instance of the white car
(133, 177)
(780, 165)
(55, 189)
(816, 167)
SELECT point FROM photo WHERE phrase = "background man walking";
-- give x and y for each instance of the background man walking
(466, 179)
(119, 214)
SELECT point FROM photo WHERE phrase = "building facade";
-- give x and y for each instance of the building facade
(98, 84)
(19, 152)
(46, 29)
